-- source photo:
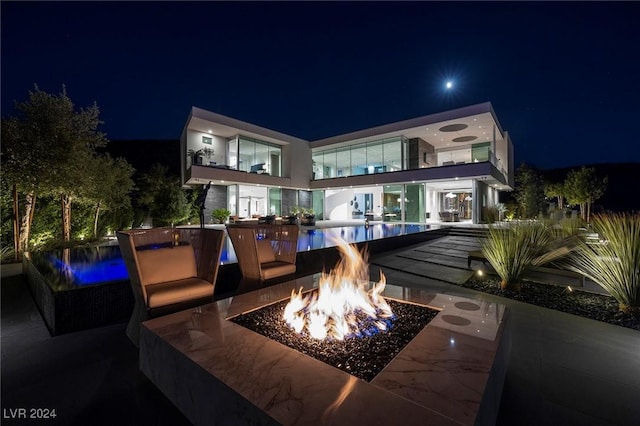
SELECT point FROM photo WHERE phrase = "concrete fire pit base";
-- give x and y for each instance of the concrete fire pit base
(217, 372)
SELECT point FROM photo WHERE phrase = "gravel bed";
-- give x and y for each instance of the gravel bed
(363, 357)
(589, 305)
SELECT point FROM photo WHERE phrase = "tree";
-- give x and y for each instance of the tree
(47, 147)
(582, 186)
(161, 197)
(529, 191)
(108, 186)
(555, 189)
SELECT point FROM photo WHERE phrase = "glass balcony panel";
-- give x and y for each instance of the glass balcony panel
(246, 154)
(359, 165)
(392, 153)
(232, 153)
(375, 159)
(330, 164)
(343, 161)
(318, 165)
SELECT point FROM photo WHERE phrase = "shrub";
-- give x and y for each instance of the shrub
(220, 215)
(614, 261)
(512, 249)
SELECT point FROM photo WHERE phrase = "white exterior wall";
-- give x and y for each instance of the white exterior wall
(219, 145)
(431, 201)
(337, 202)
(296, 163)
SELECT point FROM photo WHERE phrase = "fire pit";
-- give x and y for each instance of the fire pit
(363, 356)
(217, 371)
(345, 323)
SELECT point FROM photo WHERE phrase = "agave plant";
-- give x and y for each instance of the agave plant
(614, 261)
(512, 249)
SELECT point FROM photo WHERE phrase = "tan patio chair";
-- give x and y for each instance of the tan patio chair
(169, 270)
(266, 251)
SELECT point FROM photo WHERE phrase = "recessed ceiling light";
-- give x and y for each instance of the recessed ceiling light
(221, 181)
(475, 119)
(210, 131)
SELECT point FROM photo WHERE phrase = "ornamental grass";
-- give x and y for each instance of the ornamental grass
(614, 261)
(512, 249)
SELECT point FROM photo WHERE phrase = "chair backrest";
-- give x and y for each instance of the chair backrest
(282, 238)
(205, 243)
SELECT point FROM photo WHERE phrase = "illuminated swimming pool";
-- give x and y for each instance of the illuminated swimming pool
(90, 266)
(82, 288)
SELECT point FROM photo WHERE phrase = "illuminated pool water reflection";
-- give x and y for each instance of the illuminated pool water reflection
(79, 267)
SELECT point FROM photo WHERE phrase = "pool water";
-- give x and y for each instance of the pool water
(79, 267)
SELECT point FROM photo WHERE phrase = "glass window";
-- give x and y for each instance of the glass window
(375, 161)
(480, 152)
(252, 201)
(275, 201)
(343, 161)
(318, 204)
(275, 160)
(330, 164)
(392, 154)
(414, 203)
(232, 159)
(359, 164)
(392, 203)
(261, 160)
(259, 157)
(361, 159)
(318, 165)
(232, 193)
(246, 154)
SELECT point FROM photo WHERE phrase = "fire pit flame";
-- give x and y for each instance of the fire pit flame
(342, 307)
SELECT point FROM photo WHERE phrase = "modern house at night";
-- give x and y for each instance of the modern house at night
(441, 167)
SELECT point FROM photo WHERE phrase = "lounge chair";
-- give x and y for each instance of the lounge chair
(169, 270)
(266, 251)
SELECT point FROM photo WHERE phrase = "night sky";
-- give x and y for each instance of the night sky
(564, 79)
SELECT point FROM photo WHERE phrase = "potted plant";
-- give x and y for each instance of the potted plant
(220, 215)
(308, 218)
(292, 219)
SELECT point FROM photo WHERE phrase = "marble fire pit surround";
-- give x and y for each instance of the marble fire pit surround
(218, 372)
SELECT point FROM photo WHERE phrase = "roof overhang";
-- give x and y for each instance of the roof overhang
(459, 127)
